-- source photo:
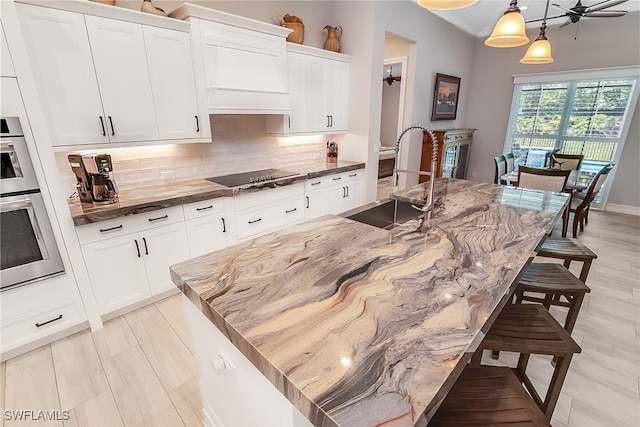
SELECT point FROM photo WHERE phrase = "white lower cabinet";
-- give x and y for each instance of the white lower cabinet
(128, 259)
(206, 226)
(332, 194)
(269, 210)
(234, 392)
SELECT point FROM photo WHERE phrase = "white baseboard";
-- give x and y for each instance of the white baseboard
(623, 209)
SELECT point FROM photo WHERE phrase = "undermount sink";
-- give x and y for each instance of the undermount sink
(381, 213)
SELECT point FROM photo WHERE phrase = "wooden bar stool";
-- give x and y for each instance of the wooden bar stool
(530, 329)
(558, 286)
(568, 249)
(488, 396)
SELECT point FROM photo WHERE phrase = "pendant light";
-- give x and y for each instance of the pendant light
(445, 4)
(540, 50)
(509, 30)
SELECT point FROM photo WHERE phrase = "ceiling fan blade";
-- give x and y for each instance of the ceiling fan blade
(606, 14)
(605, 5)
(563, 8)
(564, 15)
(567, 22)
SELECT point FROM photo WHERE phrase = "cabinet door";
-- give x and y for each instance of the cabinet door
(336, 195)
(117, 271)
(172, 83)
(462, 160)
(161, 248)
(59, 51)
(206, 234)
(315, 204)
(449, 160)
(352, 197)
(337, 75)
(318, 115)
(123, 76)
(299, 88)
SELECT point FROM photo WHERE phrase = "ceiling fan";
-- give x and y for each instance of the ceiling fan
(390, 79)
(579, 11)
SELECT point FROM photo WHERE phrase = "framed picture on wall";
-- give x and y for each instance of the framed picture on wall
(445, 97)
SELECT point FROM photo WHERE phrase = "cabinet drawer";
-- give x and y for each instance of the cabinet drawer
(247, 201)
(39, 323)
(131, 224)
(335, 179)
(252, 222)
(204, 208)
(457, 137)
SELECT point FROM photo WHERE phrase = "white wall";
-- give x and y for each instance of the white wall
(600, 43)
(389, 115)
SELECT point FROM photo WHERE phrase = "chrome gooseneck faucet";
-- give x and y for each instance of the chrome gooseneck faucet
(434, 160)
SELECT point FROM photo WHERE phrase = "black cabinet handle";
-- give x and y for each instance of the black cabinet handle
(316, 183)
(224, 226)
(289, 122)
(104, 132)
(146, 250)
(104, 230)
(328, 122)
(205, 208)
(197, 124)
(48, 321)
(351, 176)
(331, 121)
(137, 247)
(255, 220)
(307, 201)
(337, 179)
(158, 218)
(344, 192)
(291, 210)
(347, 187)
(113, 132)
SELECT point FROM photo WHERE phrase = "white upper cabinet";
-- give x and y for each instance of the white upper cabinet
(173, 83)
(60, 55)
(123, 77)
(104, 80)
(319, 85)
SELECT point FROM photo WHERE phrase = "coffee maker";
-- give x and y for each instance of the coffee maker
(93, 178)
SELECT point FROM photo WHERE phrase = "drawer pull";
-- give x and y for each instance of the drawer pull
(205, 208)
(352, 175)
(104, 230)
(291, 210)
(316, 183)
(337, 179)
(48, 321)
(158, 218)
(224, 226)
(255, 220)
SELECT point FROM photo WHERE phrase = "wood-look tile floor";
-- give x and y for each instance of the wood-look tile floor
(139, 369)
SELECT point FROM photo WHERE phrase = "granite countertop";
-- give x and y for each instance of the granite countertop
(358, 326)
(174, 193)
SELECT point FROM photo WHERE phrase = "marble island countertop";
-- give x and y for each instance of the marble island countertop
(358, 326)
(173, 193)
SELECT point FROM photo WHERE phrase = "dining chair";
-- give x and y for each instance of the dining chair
(566, 161)
(580, 205)
(542, 179)
(501, 168)
(510, 162)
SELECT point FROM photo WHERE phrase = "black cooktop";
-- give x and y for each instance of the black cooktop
(252, 177)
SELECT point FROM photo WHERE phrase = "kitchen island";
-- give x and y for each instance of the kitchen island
(356, 325)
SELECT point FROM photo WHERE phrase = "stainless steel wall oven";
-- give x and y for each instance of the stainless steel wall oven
(28, 249)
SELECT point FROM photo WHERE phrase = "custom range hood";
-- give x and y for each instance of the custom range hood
(244, 62)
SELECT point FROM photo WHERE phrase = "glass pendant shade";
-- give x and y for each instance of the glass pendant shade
(509, 31)
(538, 53)
(445, 4)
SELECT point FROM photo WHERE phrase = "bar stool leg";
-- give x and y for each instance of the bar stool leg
(557, 380)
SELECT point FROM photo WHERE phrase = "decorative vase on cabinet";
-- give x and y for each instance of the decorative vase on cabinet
(454, 147)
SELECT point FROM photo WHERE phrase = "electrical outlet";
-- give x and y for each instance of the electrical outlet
(168, 175)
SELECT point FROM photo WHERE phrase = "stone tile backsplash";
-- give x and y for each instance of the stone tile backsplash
(239, 144)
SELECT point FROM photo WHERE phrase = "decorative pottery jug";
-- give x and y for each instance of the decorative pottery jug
(332, 43)
(293, 23)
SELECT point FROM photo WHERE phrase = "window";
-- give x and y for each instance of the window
(583, 112)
